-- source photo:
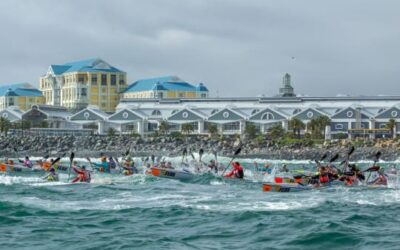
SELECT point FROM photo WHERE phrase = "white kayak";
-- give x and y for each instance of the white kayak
(171, 173)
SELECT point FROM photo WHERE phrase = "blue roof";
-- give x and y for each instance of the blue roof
(201, 87)
(88, 65)
(172, 83)
(19, 89)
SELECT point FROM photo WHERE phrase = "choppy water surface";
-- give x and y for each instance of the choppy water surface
(208, 213)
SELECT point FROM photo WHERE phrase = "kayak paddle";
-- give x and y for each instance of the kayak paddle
(71, 158)
(237, 151)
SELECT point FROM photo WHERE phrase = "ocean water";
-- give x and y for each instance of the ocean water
(144, 212)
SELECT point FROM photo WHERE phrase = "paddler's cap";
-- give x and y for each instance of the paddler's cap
(103, 158)
(83, 167)
(52, 170)
(75, 162)
(26, 157)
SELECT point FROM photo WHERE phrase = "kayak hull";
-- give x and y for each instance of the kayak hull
(284, 187)
(171, 173)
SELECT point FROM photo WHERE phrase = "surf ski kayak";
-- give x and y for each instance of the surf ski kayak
(171, 173)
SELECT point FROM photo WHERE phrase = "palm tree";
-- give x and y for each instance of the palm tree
(390, 125)
(5, 125)
(323, 121)
(212, 129)
(163, 127)
(296, 125)
(187, 128)
(251, 130)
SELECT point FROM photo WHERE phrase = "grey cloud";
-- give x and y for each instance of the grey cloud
(240, 48)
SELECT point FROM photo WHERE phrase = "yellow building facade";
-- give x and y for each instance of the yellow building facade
(79, 84)
(22, 95)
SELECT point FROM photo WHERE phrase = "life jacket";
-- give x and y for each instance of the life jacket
(46, 166)
(3, 168)
(324, 179)
(239, 173)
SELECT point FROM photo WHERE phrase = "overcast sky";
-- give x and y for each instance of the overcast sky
(237, 48)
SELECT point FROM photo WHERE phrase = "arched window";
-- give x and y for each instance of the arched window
(267, 116)
(339, 126)
(156, 112)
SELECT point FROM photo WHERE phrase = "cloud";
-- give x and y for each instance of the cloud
(238, 48)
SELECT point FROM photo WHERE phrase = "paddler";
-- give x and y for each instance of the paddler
(264, 170)
(103, 166)
(26, 162)
(169, 165)
(44, 165)
(381, 179)
(112, 164)
(237, 171)
(82, 174)
(212, 166)
(52, 175)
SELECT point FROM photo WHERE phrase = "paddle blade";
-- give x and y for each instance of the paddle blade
(55, 161)
(127, 152)
(72, 156)
(378, 155)
(323, 157)
(238, 150)
(201, 151)
(371, 169)
(334, 158)
(152, 158)
(184, 152)
(351, 150)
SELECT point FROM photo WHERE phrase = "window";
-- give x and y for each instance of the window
(310, 114)
(113, 80)
(103, 105)
(121, 81)
(394, 113)
(156, 113)
(339, 126)
(349, 114)
(84, 92)
(232, 126)
(267, 116)
(94, 79)
(80, 79)
(382, 125)
(214, 111)
(203, 95)
(161, 95)
(103, 79)
(180, 95)
(254, 111)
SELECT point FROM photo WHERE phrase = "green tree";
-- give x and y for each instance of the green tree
(317, 126)
(187, 128)
(250, 130)
(323, 121)
(5, 125)
(276, 132)
(390, 125)
(212, 129)
(163, 127)
(111, 132)
(296, 126)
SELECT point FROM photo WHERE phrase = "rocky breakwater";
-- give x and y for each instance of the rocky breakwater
(17, 146)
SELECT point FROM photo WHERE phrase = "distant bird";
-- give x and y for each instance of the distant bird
(293, 57)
